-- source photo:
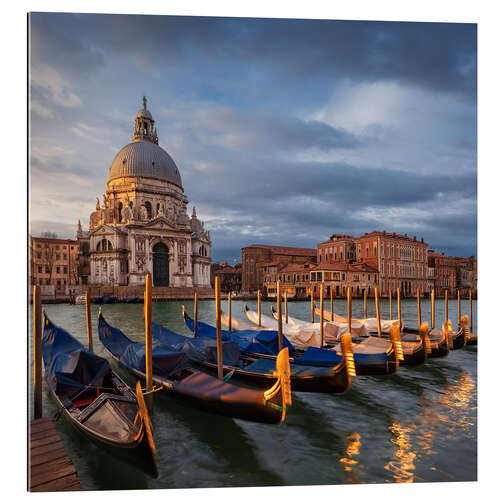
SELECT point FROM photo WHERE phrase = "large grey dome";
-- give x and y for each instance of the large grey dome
(145, 159)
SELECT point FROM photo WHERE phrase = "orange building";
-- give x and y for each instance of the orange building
(401, 261)
(54, 263)
(253, 255)
(452, 273)
(294, 278)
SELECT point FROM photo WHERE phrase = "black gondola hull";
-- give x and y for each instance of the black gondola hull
(417, 357)
(336, 382)
(136, 452)
(242, 404)
(458, 340)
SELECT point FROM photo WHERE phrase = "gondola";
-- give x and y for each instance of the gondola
(412, 341)
(172, 372)
(95, 399)
(372, 356)
(258, 369)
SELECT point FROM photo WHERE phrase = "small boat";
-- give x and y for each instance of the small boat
(256, 367)
(172, 372)
(413, 344)
(95, 399)
(80, 299)
(371, 356)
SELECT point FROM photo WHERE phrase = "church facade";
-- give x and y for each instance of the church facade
(142, 225)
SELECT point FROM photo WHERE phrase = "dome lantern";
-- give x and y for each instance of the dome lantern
(144, 129)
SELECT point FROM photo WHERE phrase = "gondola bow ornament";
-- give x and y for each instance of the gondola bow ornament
(396, 342)
(283, 376)
(346, 342)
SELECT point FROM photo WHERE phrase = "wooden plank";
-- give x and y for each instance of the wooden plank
(42, 442)
(68, 483)
(42, 458)
(40, 450)
(42, 428)
(54, 470)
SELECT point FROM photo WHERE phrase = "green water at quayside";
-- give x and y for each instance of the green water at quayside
(419, 424)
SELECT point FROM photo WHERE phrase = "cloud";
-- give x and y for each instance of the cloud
(284, 131)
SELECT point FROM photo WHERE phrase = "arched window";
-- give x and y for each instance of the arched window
(202, 251)
(120, 206)
(104, 245)
(147, 204)
(157, 209)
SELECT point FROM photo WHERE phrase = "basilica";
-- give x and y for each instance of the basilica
(142, 224)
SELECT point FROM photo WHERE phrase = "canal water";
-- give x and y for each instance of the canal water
(417, 425)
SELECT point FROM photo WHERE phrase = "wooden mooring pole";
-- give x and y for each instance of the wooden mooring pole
(148, 318)
(312, 305)
(470, 309)
(399, 308)
(433, 308)
(377, 307)
(390, 304)
(195, 314)
(89, 320)
(220, 370)
(229, 310)
(332, 318)
(322, 316)
(418, 309)
(348, 309)
(458, 307)
(446, 306)
(37, 351)
(364, 304)
(286, 308)
(280, 319)
(258, 308)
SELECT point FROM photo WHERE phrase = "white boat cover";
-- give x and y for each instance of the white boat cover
(308, 334)
(369, 323)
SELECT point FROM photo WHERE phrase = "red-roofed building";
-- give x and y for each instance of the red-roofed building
(294, 278)
(401, 261)
(229, 277)
(251, 256)
(452, 273)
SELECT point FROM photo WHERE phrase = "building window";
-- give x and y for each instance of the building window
(147, 204)
(47, 270)
(39, 269)
(58, 256)
(65, 270)
(39, 255)
(58, 270)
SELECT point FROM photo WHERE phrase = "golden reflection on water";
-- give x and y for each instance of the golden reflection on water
(453, 421)
(402, 466)
(352, 450)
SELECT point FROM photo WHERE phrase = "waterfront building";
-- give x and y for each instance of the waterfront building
(253, 258)
(54, 265)
(294, 278)
(401, 261)
(339, 276)
(229, 277)
(142, 226)
(452, 273)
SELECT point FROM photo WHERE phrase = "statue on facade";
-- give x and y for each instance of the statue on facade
(143, 213)
(97, 207)
(104, 201)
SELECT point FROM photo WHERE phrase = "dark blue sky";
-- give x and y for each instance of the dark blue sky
(284, 131)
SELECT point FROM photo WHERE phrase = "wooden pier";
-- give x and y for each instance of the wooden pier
(50, 467)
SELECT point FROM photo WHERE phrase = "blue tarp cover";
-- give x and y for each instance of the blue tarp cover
(197, 349)
(133, 354)
(263, 365)
(69, 367)
(249, 341)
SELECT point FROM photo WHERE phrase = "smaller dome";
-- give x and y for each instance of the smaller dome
(144, 113)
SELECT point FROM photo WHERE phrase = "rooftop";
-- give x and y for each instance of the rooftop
(280, 250)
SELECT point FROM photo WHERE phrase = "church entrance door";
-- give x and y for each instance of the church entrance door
(160, 265)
